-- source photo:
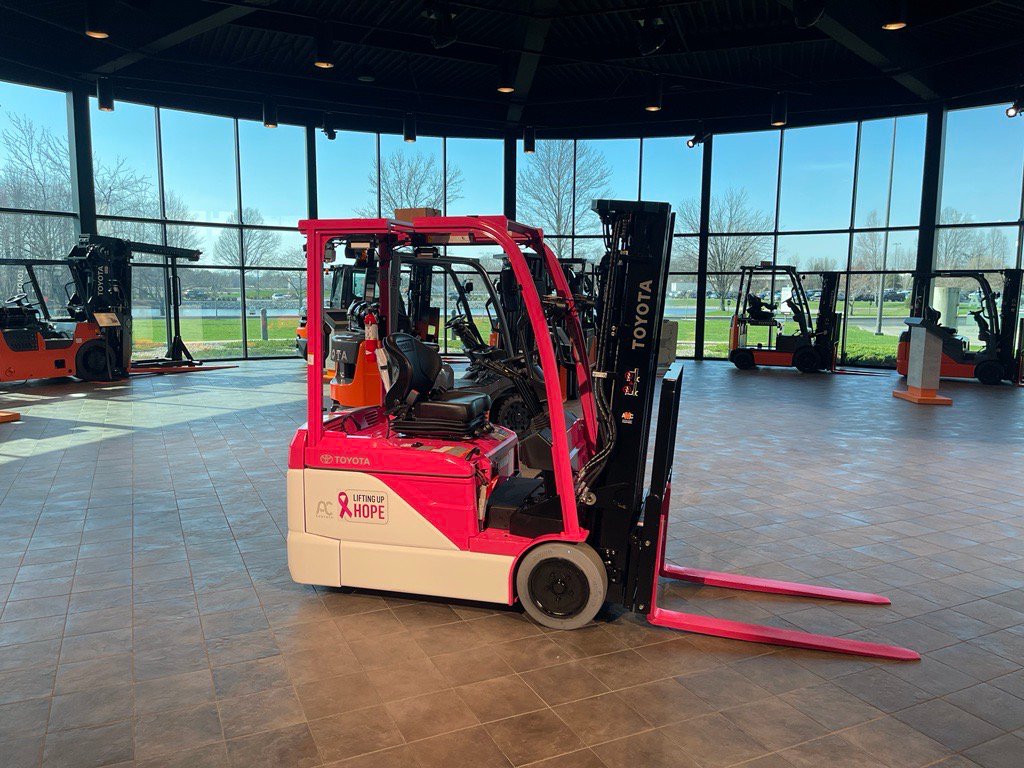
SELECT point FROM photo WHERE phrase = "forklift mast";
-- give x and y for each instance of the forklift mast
(826, 327)
(634, 274)
(102, 274)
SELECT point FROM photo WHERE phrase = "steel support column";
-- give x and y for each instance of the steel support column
(931, 186)
(509, 175)
(311, 199)
(83, 190)
(702, 248)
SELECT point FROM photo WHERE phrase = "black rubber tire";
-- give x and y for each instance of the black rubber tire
(510, 411)
(743, 359)
(562, 585)
(989, 372)
(95, 361)
(805, 360)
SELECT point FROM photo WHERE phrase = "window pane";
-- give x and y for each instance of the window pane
(607, 168)
(273, 164)
(211, 312)
(681, 307)
(814, 253)
(672, 174)
(875, 308)
(727, 253)
(28, 236)
(272, 303)
(981, 170)
(199, 166)
(744, 177)
(589, 248)
(35, 167)
(410, 174)
(263, 248)
(562, 246)
(976, 247)
(817, 177)
(878, 159)
(475, 176)
(149, 312)
(884, 251)
(721, 290)
(218, 244)
(346, 175)
(544, 188)
(685, 252)
(124, 152)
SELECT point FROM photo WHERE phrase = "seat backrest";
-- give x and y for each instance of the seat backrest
(415, 367)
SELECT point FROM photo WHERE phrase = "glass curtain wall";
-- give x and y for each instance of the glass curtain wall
(37, 215)
(842, 197)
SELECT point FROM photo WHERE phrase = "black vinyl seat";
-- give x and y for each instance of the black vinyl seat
(421, 400)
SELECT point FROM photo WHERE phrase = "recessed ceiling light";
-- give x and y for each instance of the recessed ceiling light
(365, 78)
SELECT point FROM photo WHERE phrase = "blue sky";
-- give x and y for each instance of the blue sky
(982, 168)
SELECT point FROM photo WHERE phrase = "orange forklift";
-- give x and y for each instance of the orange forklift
(809, 348)
(99, 306)
(1001, 356)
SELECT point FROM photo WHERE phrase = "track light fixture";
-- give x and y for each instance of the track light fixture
(780, 109)
(270, 114)
(105, 95)
(652, 98)
(529, 140)
(444, 27)
(329, 130)
(324, 50)
(895, 15)
(1018, 104)
(409, 128)
(698, 138)
(97, 19)
(507, 81)
(807, 13)
(652, 34)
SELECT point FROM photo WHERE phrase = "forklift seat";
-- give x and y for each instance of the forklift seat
(421, 400)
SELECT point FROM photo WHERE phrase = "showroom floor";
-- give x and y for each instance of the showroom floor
(149, 617)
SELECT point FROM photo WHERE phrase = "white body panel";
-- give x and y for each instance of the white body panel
(350, 529)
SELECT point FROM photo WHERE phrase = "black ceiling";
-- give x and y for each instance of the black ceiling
(577, 65)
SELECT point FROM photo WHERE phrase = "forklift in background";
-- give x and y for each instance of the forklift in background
(1000, 329)
(423, 494)
(809, 348)
(99, 305)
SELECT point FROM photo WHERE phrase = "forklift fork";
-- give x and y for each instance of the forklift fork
(653, 566)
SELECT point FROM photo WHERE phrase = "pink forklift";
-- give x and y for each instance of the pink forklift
(423, 495)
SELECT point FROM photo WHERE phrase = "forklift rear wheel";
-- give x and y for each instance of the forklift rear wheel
(511, 411)
(805, 360)
(94, 361)
(743, 359)
(988, 372)
(562, 585)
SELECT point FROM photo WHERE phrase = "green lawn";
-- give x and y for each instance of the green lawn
(213, 337)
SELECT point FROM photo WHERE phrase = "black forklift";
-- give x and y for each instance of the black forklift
(99, 306)
(809, 348)
(998, 321)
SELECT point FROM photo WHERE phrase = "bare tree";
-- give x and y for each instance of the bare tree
(544, 191)
(260, 247)
(730, 215)
(408, 180)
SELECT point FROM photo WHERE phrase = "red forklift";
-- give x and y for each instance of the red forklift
(99, 307)
(809, 348)
(1000, 328)
(424, 494)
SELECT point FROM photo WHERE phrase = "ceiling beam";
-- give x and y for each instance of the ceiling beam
(177, 37)
(886, 51)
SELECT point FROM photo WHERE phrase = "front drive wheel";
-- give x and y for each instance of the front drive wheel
(989, 372)
(743, 359)
(805, 360)
(511, 411)
(561, 585)
(95, 361)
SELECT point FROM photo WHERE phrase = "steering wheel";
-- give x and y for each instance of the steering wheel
(19, 299)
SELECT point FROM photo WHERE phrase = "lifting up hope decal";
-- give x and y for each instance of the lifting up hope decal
(363, 507)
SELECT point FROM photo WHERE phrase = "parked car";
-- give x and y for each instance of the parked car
(281, 296)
